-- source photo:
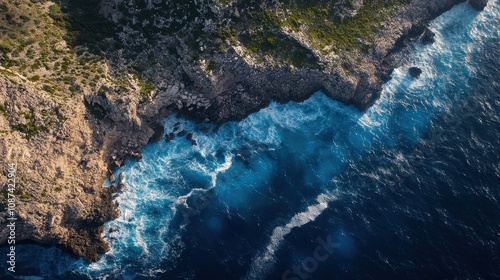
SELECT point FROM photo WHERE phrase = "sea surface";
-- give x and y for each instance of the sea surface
(408, 189)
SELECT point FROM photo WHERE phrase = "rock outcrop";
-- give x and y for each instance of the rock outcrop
(478, 4)
(415, 72)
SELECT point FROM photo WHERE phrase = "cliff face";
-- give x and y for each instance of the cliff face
(85, 88)
(232, 57)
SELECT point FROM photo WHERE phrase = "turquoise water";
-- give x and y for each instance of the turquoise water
(389, 186)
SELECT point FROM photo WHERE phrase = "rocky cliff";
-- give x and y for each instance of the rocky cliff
(84, 84)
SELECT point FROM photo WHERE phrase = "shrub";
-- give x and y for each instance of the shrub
(35, 78)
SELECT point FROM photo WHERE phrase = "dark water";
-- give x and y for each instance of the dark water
(317, 190)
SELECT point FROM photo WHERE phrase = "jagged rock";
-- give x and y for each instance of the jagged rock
(417, 29)
(182, 133)
(189, 136)
(427, 37)
(415, 72)
(158, 132)
(134, 154)
(169, 137)
(121, 187)
(478, 4)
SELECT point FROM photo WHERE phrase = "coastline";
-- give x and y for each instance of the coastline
(361, 89)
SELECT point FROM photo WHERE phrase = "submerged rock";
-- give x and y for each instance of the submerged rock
(415, 72)
(169, 137)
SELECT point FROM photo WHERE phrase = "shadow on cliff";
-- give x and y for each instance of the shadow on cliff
(85, 25)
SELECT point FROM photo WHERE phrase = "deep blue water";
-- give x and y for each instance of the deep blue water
(318, 190)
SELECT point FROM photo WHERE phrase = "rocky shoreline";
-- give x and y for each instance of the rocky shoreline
(113, 126)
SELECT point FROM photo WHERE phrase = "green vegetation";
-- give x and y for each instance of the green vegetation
(146, 88)
(228, 34)
(324, 29)
(25, 195)
(56, 14)
(3, 110)
(31, 128)
(58, 189)
(85, 25)
(269, 40)
(35, 78)
(211, 65)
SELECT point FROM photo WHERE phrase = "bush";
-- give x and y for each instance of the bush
(56, 14)
(35, 78)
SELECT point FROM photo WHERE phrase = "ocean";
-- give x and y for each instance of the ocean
(408, 189)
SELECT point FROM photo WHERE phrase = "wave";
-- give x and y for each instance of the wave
(263, 262)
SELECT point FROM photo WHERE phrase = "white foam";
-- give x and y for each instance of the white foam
(262, 263)
(222, 168)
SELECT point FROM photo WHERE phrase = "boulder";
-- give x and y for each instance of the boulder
(169, 137)
(427, 37)
(158, 129)
(415, 72)
(478, 4)
(417, 29)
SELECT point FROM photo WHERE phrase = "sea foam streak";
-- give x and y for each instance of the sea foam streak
(262, 263)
